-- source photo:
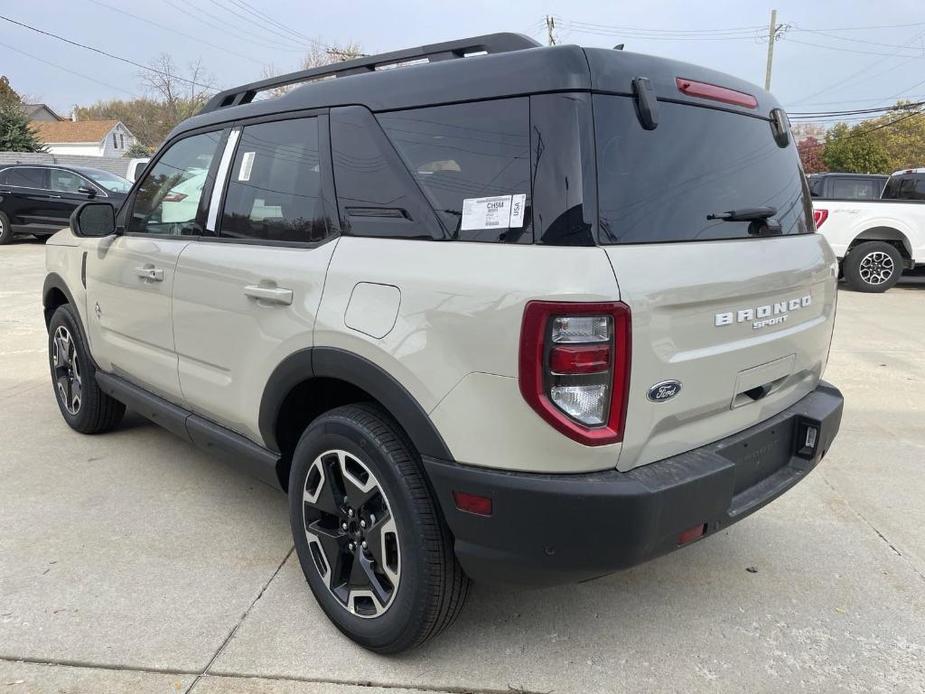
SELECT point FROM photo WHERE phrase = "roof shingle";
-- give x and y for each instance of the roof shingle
(53, 132)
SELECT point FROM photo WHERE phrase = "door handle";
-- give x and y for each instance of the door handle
(147, 272)
(275, 295)
(54, 196)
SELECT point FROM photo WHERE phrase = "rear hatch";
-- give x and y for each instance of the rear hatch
(734, 316)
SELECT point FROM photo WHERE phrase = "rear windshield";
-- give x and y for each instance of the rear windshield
(907, 187)
(661, 185)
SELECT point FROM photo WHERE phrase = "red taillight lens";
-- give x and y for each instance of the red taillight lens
(579, 359)
(692, 534)
(574, 367)
(473, 503)
(819, 216)
(175, 197)
(705, 90)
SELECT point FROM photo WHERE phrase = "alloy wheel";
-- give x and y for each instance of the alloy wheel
(67, 370)
(351, 533)
(876, 267)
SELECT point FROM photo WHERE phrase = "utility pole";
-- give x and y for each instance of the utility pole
(550, 30)
(775, 32)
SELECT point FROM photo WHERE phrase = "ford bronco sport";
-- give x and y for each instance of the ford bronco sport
(485, 310)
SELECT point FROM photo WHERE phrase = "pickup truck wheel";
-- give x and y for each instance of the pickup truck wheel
(6, 231)
(369, 536)
(874, 266)
(83, 405)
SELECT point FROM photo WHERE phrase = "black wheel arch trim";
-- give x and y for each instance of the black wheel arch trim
(331, 362)
(54, 281)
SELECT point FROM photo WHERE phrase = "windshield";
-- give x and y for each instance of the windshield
(672, 183)
(111, 182)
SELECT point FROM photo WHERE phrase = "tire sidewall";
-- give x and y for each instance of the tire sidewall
(852, 267)
(64, 315)
(339, 432)
(6, 233)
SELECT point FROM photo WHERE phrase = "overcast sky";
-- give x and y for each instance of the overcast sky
(823, 62)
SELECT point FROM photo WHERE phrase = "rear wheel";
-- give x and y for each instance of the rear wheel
(370, 539)
(83, 405)
(6, 231)
(873, 266)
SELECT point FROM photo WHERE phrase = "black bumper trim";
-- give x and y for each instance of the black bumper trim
(550, 529)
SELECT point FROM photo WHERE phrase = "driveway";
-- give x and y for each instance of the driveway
(133, 562)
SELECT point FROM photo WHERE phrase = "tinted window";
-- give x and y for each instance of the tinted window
(26, 177)
(464, 153)
(167, 199)
(376, 194)
(104, 179)
(816, 186)
(274, 187)
(855, 189)
(661, 185)
(68, 181)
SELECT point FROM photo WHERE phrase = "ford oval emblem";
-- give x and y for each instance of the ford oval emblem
(664, 391)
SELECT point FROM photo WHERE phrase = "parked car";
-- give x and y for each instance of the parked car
(905, 185)
(135, 167)
(846, 186)
(38, 199)
(876, 241)
(473, 331)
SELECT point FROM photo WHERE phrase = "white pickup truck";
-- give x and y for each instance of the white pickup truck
(877, 240)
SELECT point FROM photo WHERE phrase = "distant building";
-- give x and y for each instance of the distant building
(95, 138)
(40, 112)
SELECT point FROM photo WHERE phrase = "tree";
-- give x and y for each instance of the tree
(855, 150)
(137, 151)
(901, 132)
(317, 56)
(181, 95)
(811, 151)
(7, 94)
(145, 118)
(15, 133)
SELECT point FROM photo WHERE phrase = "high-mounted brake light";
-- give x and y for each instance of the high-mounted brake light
(574, 367)
(705, 90)
(819, 216)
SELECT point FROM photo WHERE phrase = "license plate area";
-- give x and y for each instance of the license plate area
(761, 455)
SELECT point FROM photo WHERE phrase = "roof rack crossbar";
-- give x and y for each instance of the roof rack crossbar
(461, 48)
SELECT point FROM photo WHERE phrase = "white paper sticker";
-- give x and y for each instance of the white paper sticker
(496, 212)
(247, 163)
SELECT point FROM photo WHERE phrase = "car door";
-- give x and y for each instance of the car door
(130, 276)
(247, 296)
(27, 198)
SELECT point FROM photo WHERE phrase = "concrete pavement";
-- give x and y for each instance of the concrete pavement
(133, 562)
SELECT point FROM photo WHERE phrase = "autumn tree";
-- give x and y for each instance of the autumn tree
(855, 149)
(901, 133)
(811, 151)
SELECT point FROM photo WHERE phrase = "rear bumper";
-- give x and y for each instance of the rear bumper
(549, 529)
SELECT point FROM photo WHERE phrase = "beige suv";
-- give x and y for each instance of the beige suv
(483, 309)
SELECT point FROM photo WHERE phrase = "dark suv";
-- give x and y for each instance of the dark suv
(38, 199)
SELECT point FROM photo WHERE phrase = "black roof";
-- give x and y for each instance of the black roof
(520, 67)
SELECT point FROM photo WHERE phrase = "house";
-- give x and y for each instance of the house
(95, 138)
(40, 112)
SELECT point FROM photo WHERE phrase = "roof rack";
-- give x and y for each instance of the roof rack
(461, 48)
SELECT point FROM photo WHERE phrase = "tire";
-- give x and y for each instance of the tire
(417, 587)
(83, 405)
(872, 266)
(6, 231)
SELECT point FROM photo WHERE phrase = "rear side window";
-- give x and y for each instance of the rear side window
(855, 189)
(274, 188)
(462, 154)
(907, 187)
(661, 185)
(26, 177)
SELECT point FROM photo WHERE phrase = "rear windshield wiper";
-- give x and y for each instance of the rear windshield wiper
(746, 214)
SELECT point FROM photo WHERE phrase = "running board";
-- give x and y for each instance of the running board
(240, 452)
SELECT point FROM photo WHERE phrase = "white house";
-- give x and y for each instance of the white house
(95, 138)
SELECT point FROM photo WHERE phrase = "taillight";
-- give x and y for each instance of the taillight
(819, 216)
(705, 90)
(574, 367)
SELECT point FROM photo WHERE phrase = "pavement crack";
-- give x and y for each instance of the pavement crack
(57, 662)
(240, 621)
(873, 527)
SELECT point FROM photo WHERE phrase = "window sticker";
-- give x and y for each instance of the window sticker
(496, 212)
(247, 163)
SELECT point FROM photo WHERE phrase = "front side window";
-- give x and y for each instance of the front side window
(68, 182)
(110, 181)
(168, 198)
(274, 186)
(473, 163)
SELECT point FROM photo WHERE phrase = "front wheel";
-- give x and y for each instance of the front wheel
(6, 231)
(370, 539)
(872, 266)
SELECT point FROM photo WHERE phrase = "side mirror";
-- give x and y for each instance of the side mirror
(86, 190)
(93, 220)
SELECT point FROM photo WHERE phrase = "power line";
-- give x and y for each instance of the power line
(102, 52)
(274, 32)
(176, 31)
(225, 27)
(247, 7)
(852, 50)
